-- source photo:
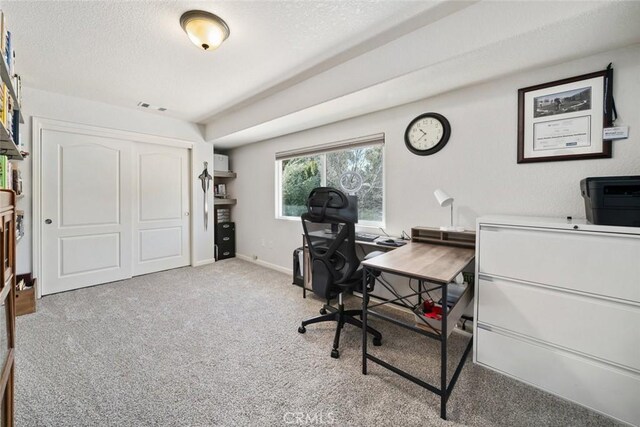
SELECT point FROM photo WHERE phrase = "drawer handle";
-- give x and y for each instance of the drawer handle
(226, 253)
(225, 238)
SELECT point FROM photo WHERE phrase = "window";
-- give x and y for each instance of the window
(354, 166)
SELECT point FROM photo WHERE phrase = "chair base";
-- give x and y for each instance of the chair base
(341, 316)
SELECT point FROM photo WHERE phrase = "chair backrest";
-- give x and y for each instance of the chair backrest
(333, 256)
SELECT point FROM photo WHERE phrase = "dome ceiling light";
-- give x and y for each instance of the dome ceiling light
(205, 30)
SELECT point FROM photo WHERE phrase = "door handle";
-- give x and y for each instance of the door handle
(186, 214)
(47, 221)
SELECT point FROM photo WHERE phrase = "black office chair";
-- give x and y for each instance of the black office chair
(334, 264)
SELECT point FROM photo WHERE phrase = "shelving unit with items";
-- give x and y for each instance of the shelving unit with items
(12, 152)
(11, 99)
(225, 228)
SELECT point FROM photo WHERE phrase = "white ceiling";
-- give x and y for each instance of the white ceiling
(295, 64)
(125, 52)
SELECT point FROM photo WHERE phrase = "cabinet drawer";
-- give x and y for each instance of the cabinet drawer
(597, 386)
(598, 263)
(225, 250)
(226, 247)
(225, 229)
(604, 329)
(222, 240)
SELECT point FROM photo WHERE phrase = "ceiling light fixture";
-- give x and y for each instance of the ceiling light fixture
(205, 30)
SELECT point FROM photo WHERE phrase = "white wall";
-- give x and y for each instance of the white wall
(38, 103)
(478, 166)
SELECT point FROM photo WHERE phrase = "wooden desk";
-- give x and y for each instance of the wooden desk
(436, 265)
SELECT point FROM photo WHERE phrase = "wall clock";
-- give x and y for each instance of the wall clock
(427, 134)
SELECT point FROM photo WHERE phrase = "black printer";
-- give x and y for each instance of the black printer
(613, 200)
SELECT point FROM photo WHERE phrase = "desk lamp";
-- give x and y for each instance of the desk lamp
(445, 200)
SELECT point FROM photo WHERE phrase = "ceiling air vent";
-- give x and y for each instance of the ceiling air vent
(153, 107)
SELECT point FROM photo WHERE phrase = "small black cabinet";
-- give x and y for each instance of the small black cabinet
(225, 240)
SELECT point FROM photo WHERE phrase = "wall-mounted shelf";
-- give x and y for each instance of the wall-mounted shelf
(6, 78)
(222, 202)
(224, 174)
(7, 146)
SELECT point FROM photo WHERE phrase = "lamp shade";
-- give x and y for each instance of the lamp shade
(205, 30)
(443, 198)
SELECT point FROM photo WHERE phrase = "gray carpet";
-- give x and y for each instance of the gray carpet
(218, 345)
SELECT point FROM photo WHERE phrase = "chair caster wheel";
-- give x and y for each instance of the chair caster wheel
(377, 342)
(302, 330)
(335, 354)
(323, 310)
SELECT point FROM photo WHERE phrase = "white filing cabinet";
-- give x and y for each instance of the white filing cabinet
(558, 307)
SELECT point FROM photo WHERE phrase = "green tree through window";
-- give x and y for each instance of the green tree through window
(299, 177)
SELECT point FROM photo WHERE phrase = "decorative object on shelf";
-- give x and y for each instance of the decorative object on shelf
(445, 200)
(427, 134)
(206, 178)
(205, 30)
(220, 191)
(564, 119)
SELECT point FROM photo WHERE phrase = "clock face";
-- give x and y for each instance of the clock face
(427, 134)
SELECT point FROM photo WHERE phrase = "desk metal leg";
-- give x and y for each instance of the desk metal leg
(365, 301)
(443, 355)
(445, 390)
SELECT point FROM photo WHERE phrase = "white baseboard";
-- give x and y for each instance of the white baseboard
(265, 264)
(203, 262)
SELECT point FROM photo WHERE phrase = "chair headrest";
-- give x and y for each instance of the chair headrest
(322, 198)
(327, 197)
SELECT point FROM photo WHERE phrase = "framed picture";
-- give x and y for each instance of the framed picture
(564, 120)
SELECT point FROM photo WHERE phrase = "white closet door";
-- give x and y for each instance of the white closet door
(161, 208)
(86, 210)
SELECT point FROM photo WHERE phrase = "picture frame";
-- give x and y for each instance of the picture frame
(564, 119)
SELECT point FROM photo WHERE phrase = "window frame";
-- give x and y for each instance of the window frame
(323, 152)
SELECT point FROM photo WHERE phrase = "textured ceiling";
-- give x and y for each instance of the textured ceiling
(125, 52)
